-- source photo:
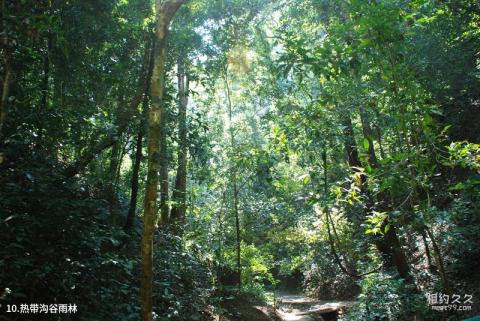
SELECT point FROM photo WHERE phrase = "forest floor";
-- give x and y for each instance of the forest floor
(289, 307)
(243, 310)
(298, 307)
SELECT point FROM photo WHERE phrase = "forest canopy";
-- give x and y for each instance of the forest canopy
(239, 160)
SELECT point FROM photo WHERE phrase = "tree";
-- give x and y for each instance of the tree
(165, 11)
(139, 145)
(234, 182)
(180, 190)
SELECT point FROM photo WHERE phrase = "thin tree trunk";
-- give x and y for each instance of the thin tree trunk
(389, 246)
(393, 245)
(237, 228)
(45, 87)
(328, 221)
(112, 171)
(3, 101)
(368, 135)
(123, 151)
(427, 251)
(164, 183)
(378, 133)
(439, 259)
(234, 183)
(179, 193)
(132, 209)
(45, 80)
(220, 227)
(349, 141)
(164, 13)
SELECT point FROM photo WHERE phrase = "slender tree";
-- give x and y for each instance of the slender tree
(165, 11)
(234, 179)
(180, 190)
(137, 160)
(132, 209)
(389, 244)
(163, 172)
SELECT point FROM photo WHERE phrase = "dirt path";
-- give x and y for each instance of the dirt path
(240, 309)
(297, 307)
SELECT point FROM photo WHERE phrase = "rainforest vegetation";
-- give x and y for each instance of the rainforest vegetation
(214, 159)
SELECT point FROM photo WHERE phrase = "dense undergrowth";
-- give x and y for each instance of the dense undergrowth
(59, 246)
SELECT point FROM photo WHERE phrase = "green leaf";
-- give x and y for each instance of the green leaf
(366, 143)
(387, 228)
(457, 187)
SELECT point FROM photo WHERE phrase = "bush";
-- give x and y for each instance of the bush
(385, 298)
(182, 284)
(57, 245)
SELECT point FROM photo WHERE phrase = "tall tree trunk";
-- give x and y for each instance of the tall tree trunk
(45, 80)
(164, 183)
(234, 181)
(389, 246)
(368, 136)
(132, 209)
(378, 133)
(349, 140)
(439, 259)
(4, 97)
(394, 249)
(112, 173)
(123, 151)
(427, 251)
(45, 87)
(220, 227)
(237, 227)
(179, 193)
(165, 10)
